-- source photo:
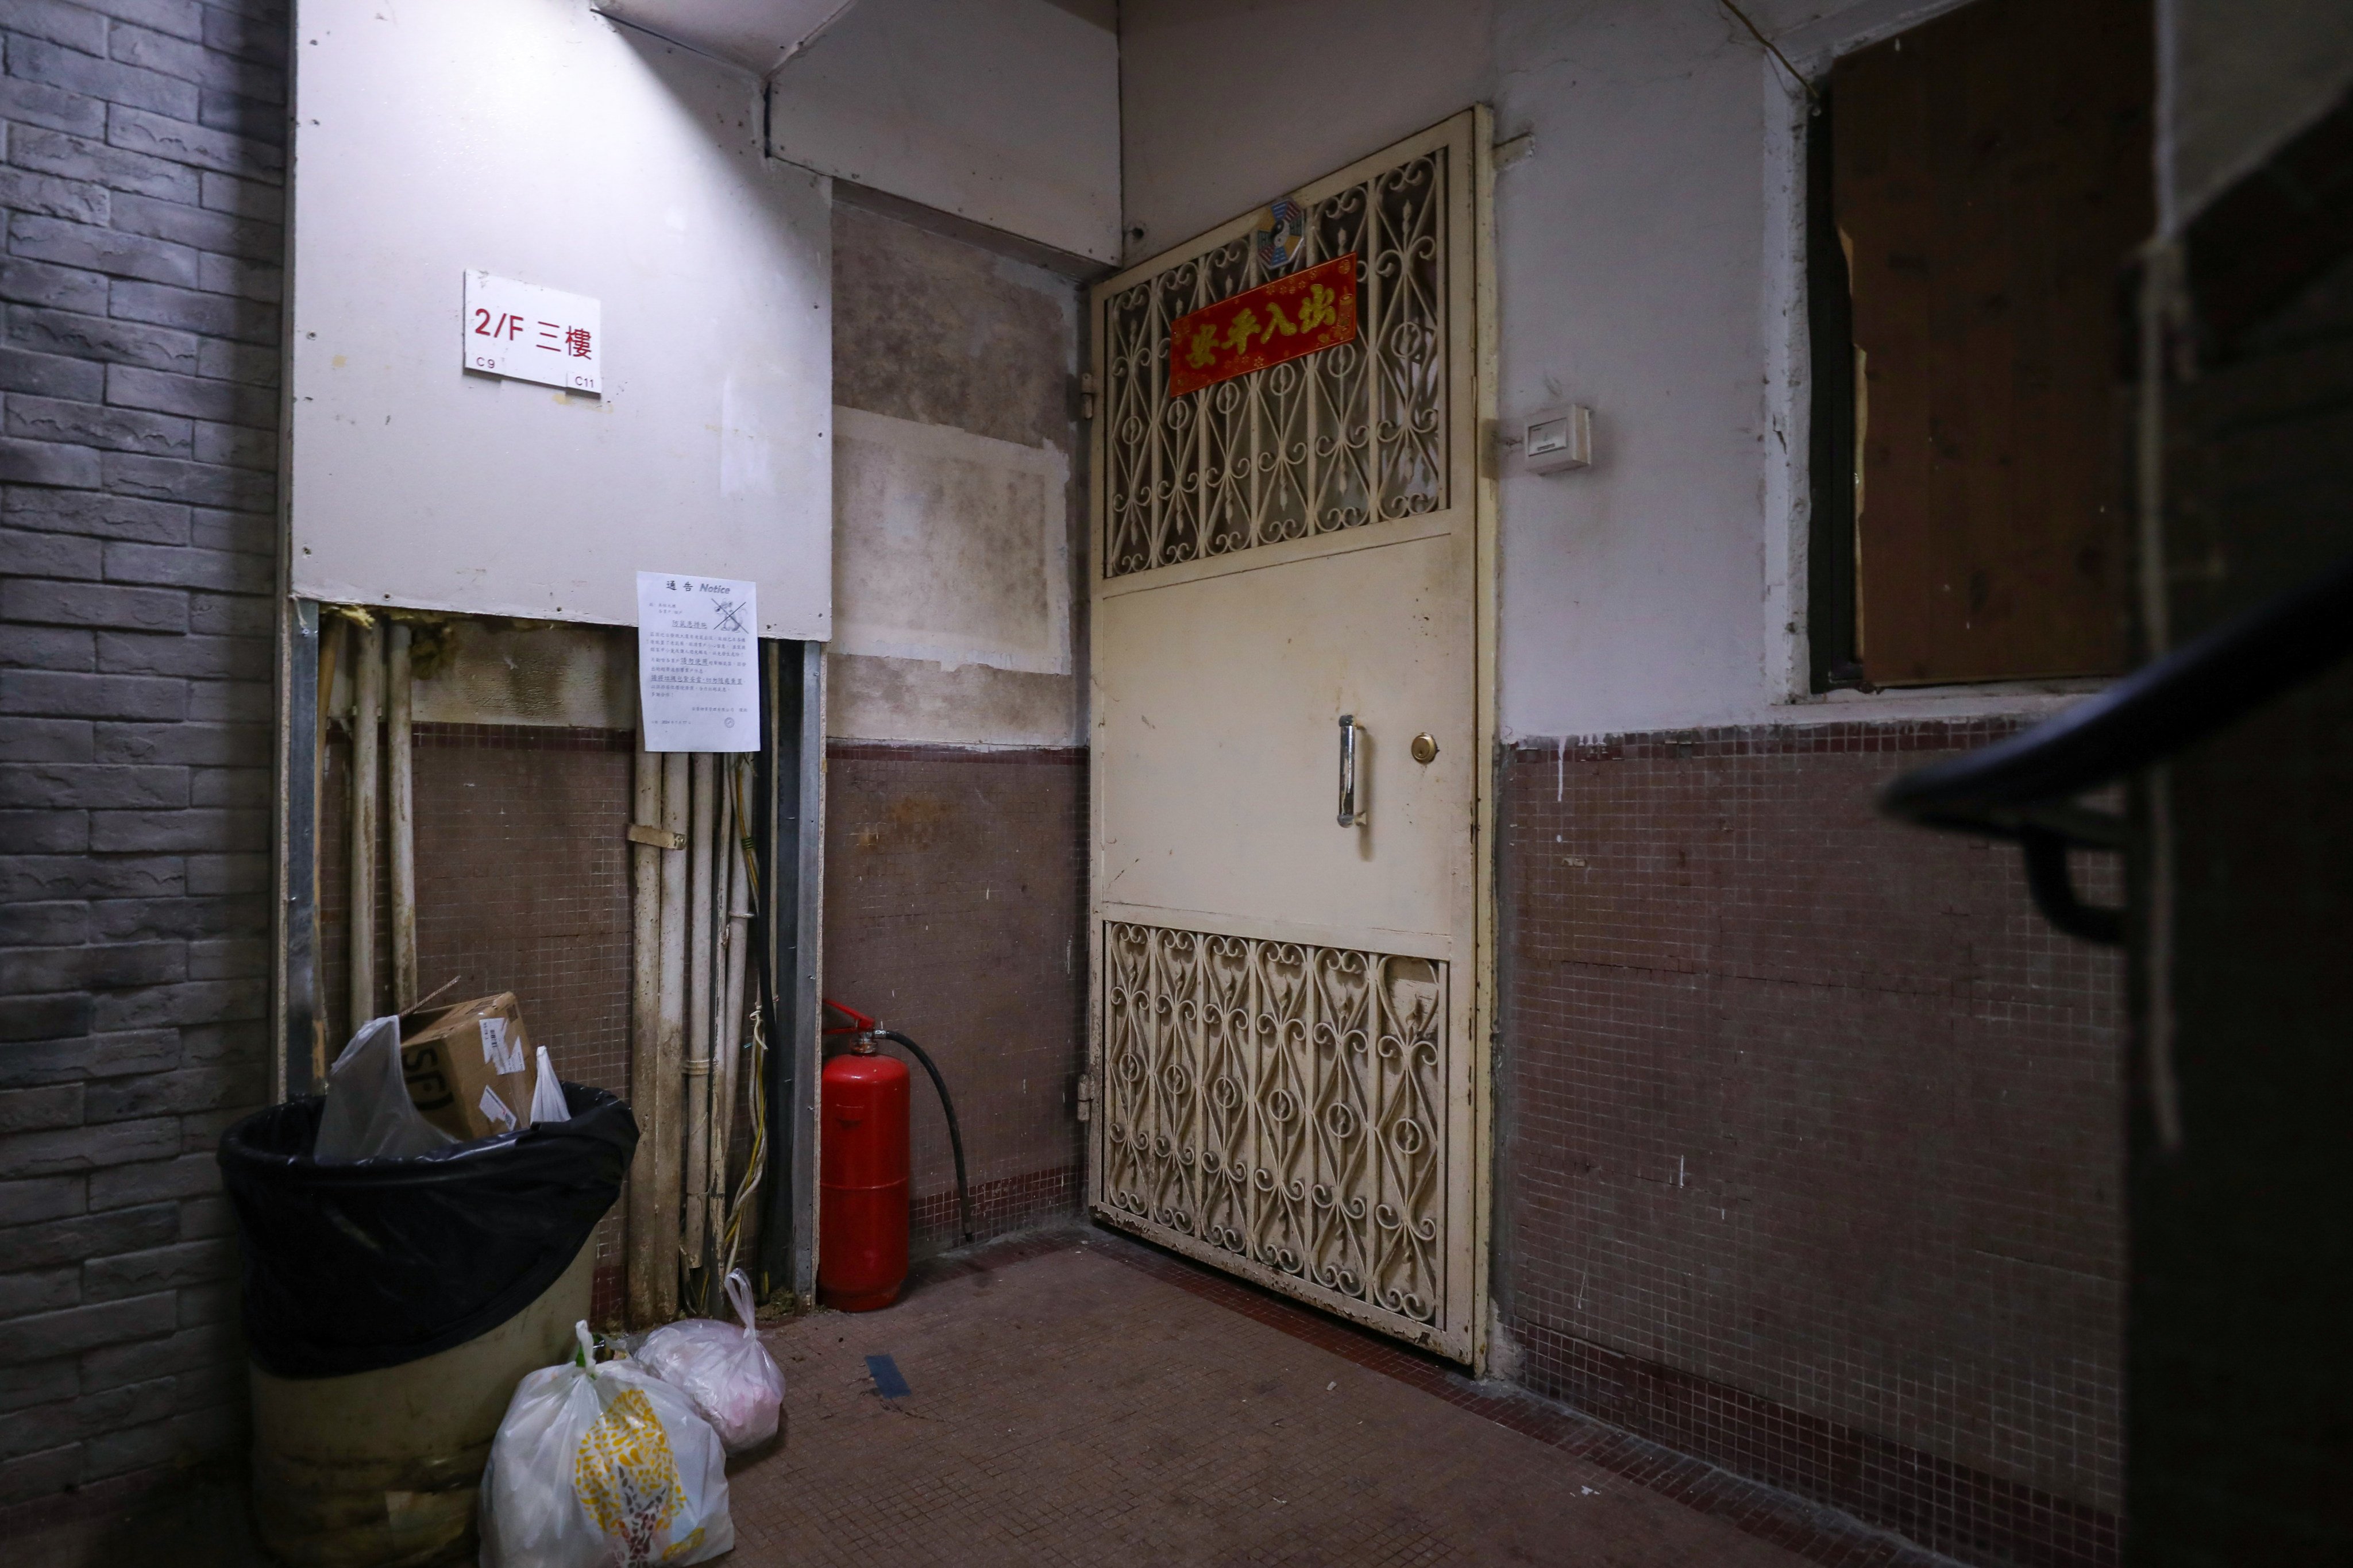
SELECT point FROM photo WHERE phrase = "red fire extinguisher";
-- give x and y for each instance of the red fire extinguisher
(861, 1245)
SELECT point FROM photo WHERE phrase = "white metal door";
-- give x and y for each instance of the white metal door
(1288, 1057)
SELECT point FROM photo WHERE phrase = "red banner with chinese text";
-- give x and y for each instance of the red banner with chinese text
(1272, 322)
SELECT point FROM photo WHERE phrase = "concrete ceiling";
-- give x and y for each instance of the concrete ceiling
(759, 33)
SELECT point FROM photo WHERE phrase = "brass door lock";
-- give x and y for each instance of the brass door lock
(1424, 750)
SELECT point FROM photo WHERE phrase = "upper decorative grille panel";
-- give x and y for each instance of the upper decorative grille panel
(1352, 434)
(1285, 1103)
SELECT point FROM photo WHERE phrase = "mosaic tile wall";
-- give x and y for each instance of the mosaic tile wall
(955, 911)
(1812, 1137)
(522, 885)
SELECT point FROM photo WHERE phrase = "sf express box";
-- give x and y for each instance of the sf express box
(469, 1066)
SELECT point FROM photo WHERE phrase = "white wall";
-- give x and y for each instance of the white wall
(537, 140)
(1002, 112)
(1630, 245)
(1633, 275)
(758, 35)
(1226, 104)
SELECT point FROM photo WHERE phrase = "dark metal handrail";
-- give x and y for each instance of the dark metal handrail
(2025, 788)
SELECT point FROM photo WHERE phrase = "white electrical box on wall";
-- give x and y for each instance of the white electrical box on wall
(1557, 439)
(618, 187)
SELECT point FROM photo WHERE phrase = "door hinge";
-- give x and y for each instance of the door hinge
(1086, 1097)
(1087, 395)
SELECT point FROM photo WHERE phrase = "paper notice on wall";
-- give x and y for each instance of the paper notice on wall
(698, 678)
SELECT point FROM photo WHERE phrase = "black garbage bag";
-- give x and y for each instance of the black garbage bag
(352, 1267)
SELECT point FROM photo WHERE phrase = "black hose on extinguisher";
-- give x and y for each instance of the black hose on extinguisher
(955, 1133)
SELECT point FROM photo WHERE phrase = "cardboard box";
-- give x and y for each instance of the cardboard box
(469, 1066)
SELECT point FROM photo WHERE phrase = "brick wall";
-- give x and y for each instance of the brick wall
(1813, 1134)
(138, 386)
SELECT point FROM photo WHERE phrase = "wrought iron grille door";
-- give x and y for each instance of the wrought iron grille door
(1282, 1103)
(1286, 1075)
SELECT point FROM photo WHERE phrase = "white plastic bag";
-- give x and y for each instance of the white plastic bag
(547, 1101)
(724, 1370)
(369, 1115)
(603, 1467)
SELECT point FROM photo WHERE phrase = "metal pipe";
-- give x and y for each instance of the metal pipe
(646, 1259)
(793, 883)
(306, 661)
(671, 1036)
(698, 1014)
(727, 1068)
(400, 760)
(367, 704)
(714, 1135)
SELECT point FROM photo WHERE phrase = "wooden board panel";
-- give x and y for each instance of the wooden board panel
(1992, 175)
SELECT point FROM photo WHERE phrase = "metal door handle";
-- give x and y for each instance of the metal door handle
(1349, 816)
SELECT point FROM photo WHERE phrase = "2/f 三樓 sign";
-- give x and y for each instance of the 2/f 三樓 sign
(532, 333)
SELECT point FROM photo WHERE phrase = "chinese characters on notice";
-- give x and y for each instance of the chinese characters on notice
(698, 683)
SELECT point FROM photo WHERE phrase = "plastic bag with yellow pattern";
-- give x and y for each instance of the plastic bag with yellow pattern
(603, 1464)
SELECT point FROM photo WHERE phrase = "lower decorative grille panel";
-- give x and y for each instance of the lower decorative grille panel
(1284, 1104)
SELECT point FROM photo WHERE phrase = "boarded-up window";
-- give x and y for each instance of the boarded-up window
(1991, 175)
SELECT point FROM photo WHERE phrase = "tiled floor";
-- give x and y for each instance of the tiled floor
(1078, 1398)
